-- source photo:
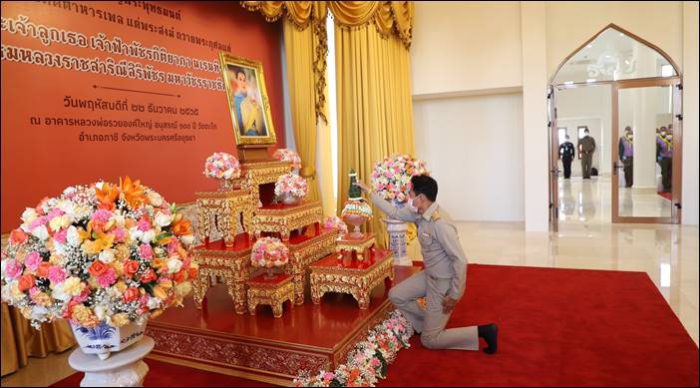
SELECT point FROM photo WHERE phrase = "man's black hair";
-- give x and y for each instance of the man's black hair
(423, 184)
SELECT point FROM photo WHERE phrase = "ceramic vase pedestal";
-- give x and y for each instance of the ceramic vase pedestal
(122, 369)
(397, 241)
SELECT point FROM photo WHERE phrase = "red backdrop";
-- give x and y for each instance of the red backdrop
(46, 104)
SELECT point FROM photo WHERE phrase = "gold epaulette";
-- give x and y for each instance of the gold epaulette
(435, 216)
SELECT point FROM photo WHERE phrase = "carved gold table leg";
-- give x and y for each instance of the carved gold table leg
(199, 289)
(240, 298)
(299, 288)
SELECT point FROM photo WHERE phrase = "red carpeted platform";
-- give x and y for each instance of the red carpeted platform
(559, 327)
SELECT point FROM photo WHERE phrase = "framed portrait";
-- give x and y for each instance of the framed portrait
(247, 100)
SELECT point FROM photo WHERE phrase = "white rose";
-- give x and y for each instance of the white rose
(135, 233)
(163, 220)
(187, 240)
(106, 256)
(155, 199)
(60, 248)
(73, 237)
(28, 215)
(39, 313)
(5, 293)
(174, 265)
(59, 293)
(99, 185)
(3, 265)
(148, 236)
(118, 220)
(41, 233)
(100, 312)
(153, 303)
(67, 207)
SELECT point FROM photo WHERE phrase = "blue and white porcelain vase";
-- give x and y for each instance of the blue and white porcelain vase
(398, 242)
(104, 339)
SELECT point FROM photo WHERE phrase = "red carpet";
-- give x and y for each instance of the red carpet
(559, 327)
(667, 195)
(169, 375)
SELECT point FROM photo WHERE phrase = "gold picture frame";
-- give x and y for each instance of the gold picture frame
(247, 100)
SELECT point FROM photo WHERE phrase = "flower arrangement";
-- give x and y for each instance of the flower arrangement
(334, 222)
(269, 252)
(99, 254)
(287, 155)
(369, 359)
(391, 177)
(291, 184)
(221, 165)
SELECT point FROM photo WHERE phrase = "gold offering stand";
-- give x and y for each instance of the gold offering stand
(357, 278)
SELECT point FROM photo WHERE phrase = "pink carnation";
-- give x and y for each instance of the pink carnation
(39, 221)
(13, 269)
(56, 274)
(108, 278)
(143, 225)
(146, 251)
(82, 297)
(32, 261)
(119, 234)
(101, 216)
(60, 236)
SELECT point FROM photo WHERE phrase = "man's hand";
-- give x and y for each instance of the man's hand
(363, 186)
(448, 304)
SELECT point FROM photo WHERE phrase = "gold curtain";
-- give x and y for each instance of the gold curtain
(375, 117)
(388, 16)
(21, 341)
(375, 111)
(301, 75)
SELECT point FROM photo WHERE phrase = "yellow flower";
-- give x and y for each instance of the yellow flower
(59, 222)
(103, 241)
(84, 316)
(16, 293)
(123, 252)
(183, 289)
(118, 268)
(54, 259)
(119, 320)
(120, 286)
(73, 286)
(158, 263)
(160, 293)
(166, 284)
(42, 299)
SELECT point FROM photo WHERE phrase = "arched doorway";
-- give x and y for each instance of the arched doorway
(624, 93)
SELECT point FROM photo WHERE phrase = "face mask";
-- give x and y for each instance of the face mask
(663, 134)
(412, 206)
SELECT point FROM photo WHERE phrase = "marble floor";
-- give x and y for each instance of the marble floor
(667, 253)
(589, 200)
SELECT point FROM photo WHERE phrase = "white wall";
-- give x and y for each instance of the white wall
(473, 148)
(446, 37)
(571, 23)
(461, 48)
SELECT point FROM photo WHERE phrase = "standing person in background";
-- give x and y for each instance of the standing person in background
(586, 148)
